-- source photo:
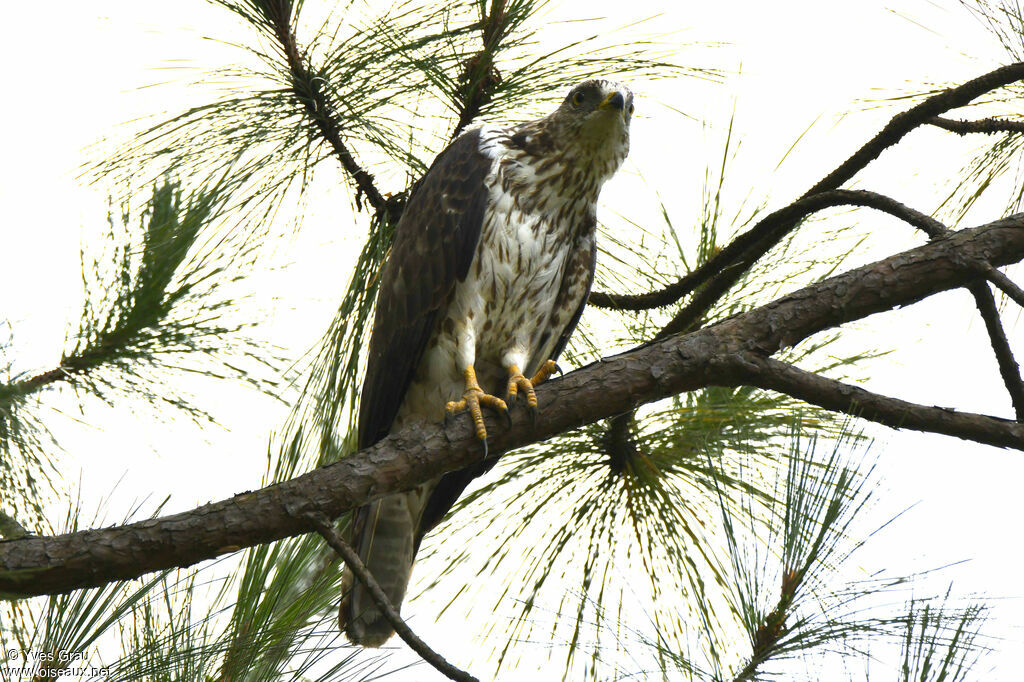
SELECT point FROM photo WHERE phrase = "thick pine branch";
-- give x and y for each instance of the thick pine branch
(983, 299)
(711, 356)
(1008, 367)
(726, 268)
(1009, 370)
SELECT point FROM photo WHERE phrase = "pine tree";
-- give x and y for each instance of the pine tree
(691, 521)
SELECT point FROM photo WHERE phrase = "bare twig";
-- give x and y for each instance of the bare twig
(922, 221)
(37, 381)
(309, 89)
(922, 113)
(752, 369)
(1009, 370)
(47, 565)
(656, 299)
(990, 126)
(352, 560)
(1003, 283)
(790, 215)
(796, 211)
(71, 368)
(722, 271)
(480, 77)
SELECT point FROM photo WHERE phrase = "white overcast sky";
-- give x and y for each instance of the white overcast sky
(72, 73)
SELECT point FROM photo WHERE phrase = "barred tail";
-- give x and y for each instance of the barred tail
(383, 536)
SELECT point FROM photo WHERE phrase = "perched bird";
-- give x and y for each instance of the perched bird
(490, 269)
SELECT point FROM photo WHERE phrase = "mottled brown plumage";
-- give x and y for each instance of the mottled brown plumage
(489, 272)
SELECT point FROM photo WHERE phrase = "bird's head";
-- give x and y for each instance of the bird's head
(595, 117)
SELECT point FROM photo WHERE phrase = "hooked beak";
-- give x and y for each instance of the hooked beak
(614, 101)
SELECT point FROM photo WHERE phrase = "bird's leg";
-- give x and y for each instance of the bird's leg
(544, 373)
(471, 402)
(517, 382)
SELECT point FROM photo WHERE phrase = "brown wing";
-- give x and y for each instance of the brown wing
(432, 250)
(452, 484)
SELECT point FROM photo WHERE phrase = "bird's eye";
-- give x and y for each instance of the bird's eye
(631, 109)
(577, 98)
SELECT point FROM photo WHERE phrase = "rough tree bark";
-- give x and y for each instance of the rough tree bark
(734, 351)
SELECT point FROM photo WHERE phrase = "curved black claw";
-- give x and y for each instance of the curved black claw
(484, 441)
(508, 418)
(559, 370)
(531, 411)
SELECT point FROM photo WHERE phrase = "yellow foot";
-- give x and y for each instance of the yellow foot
(545, 372)
(472, 401)
(517, 382)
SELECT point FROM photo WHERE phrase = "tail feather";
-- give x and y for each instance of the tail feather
(384, 537)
